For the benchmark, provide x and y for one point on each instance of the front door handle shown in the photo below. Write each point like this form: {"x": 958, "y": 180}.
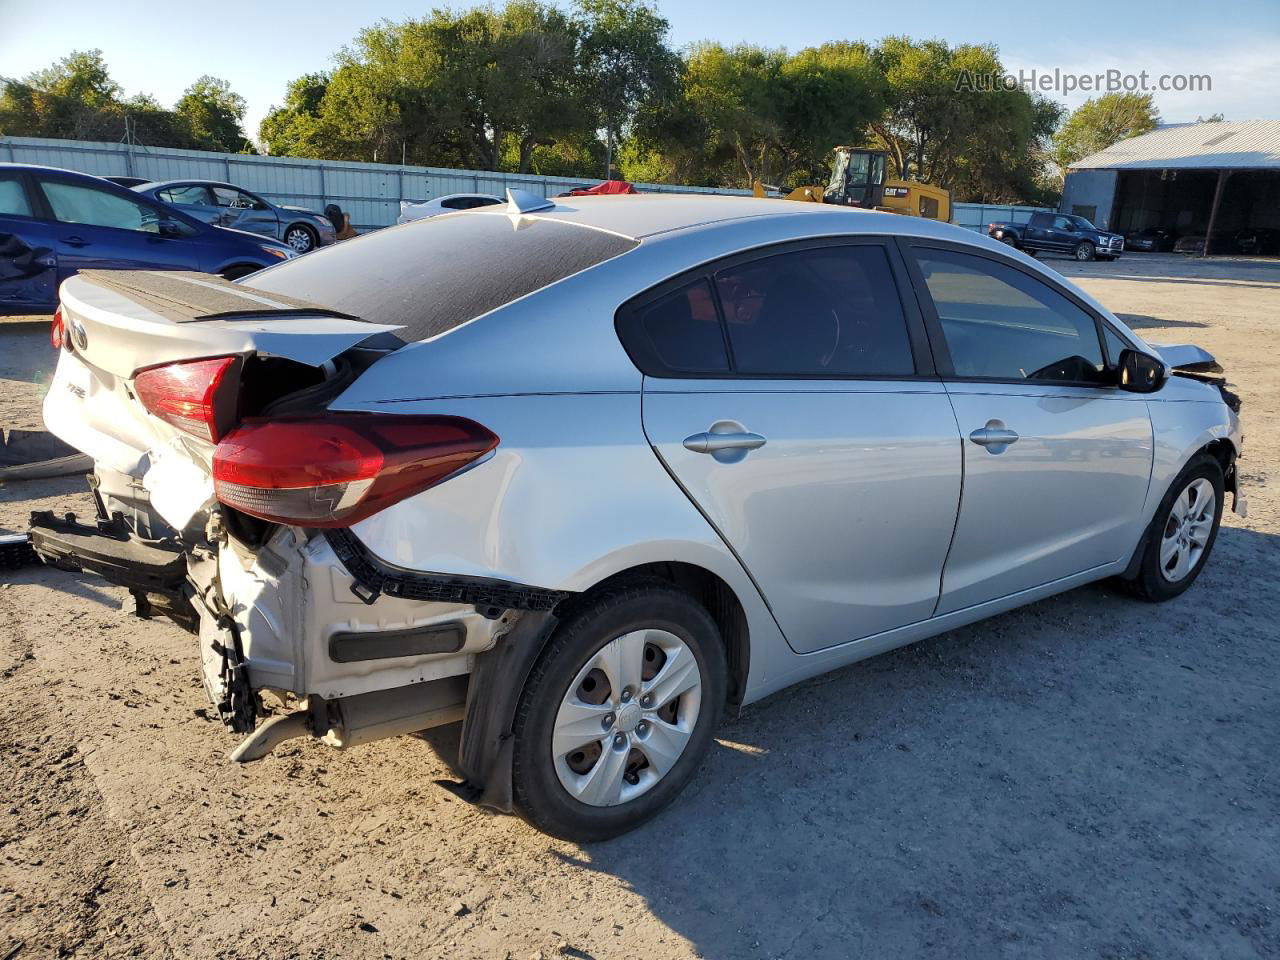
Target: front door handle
{"x": 995, "y": 436}
{"x": 727, "y": 441}
{"x": 74, "y": 241}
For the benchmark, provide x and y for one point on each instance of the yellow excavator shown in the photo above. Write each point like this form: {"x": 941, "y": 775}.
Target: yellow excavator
{"x": 858, "y": 180}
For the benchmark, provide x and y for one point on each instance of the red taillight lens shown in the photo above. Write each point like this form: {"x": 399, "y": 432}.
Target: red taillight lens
{"x": 333, "y": 470}
{"x": 196, "y": 396}
{"x": 56, "y": 330}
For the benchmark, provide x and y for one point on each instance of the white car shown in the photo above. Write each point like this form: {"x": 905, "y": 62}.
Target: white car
{"x": 586, "y": 475}
{"x": 411, "y": 210}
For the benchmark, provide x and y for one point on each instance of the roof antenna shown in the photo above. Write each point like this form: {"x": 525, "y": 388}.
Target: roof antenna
{"x": 522, "y": 201}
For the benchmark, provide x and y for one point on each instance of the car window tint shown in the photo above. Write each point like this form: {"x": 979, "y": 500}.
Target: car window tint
{"x": 74, "y": 203}
{"x": 190, "y": 194}
{"x": 455, "y": 203}
{"x": 832, "y": 311}
{"x": 1002, "y": 324}
{"x": 13, "y": 198}
{"x": 435, "y": 274}
{"x": 684, "y": 332}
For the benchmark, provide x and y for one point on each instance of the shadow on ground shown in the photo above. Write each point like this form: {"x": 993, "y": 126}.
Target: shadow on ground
{"x": 1088, "y": 776}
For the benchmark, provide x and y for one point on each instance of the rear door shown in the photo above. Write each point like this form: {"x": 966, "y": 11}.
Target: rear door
{"x": 1056, "y": 458}
{"x": 28, "y": 266}
{"x": 790, "y": 393}
{"x": 110, "y": 228}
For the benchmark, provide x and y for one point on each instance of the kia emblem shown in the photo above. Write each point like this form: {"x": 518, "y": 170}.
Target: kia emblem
{"x": 78, "y": 335}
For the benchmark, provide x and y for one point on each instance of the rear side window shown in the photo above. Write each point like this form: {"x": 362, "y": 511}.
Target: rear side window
{"x": 684, "y": 332}
{"x": 192, "y": 194}
{"x": 999, "y": 323}
{"x": 435, "y": 274}
{"x": 13, "y": 198}
{"x": 832, "y": 311}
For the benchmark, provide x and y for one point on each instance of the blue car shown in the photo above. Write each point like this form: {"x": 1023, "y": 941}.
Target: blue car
{"x": 54, "y": 223}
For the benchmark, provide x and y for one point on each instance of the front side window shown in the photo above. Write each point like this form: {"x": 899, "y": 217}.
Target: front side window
{"x": 1001, "y": 324}
{"x": 75, "y": 203}
{"x": 830, "y": 311}
{"x": 236, "y": 199}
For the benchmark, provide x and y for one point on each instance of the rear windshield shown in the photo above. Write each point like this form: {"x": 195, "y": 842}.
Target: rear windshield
{"x": 433, "y": 275}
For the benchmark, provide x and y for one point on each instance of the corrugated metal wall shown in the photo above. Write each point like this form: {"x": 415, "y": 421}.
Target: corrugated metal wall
{"x": 370, "y": 193}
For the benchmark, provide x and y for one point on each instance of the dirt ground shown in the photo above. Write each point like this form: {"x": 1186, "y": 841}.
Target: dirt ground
{"x": 1086, "y": 777}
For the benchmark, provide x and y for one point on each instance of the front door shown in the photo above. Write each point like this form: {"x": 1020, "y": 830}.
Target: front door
{"x": 1056, "y": 458}
{"x": 243, "y": 211}
{"x": 108, "y": 228}
{"x": 27, "y": 261}
{"x": 793, "y": 410}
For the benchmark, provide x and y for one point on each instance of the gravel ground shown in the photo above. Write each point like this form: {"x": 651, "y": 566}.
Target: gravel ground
{"x": 1086, "y": 777}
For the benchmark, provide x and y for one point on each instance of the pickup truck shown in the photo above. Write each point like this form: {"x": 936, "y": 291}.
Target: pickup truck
{"x": 1059, "y": 233}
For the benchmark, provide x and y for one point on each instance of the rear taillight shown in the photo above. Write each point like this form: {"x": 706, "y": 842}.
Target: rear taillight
{"x": 196, "y": 396}
{"x": 333, "y": 470}
{"x": 56, "y": 330}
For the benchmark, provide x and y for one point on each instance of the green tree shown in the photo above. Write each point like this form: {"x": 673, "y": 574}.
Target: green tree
{"x": 212, "y": 112}
{"x": 1099, "y": 123}
{"x": 627, "y": 67}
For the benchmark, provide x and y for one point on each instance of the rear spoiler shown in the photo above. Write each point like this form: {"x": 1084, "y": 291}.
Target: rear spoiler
{"x": 122, "y": 321}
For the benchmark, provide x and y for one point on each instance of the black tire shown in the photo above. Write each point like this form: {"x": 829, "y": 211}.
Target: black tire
{"x": 239, "y": 270}
{"x": 1085, "y": 250}
{"x": 301, "y": 238}
{"x": 1151, "y": 583}
{"x": 539, "y": 795}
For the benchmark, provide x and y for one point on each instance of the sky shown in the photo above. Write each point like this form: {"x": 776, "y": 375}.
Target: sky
{"x": 161, "y": 46}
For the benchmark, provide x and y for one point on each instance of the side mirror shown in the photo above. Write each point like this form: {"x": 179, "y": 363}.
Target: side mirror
{"x": 168, "y": 228}
{"x": 1141, "y": 372}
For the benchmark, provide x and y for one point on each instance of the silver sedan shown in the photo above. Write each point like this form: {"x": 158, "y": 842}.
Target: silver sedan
{"x": 226, "y": 205}
{"x": 585, "y": 475}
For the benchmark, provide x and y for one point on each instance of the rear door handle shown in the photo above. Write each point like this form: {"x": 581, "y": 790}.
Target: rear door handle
{"x": 995, "y": 436}
{"x": 727, "y": 441}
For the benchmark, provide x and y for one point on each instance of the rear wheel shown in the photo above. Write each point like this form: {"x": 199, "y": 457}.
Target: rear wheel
{"x": 1084, "y": 250}
{"x": 1183, "y": 532}
{"x": 618, "y": 713}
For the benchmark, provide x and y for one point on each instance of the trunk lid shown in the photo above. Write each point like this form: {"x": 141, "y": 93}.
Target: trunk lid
{"x": 117, "y": 323}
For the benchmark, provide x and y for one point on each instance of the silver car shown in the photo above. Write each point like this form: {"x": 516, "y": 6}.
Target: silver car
{"x": 584, "y": 475}
{"x": 226, "y": 205}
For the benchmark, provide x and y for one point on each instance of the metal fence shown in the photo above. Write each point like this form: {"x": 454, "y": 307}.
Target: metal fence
{"x": 370, "y": 193}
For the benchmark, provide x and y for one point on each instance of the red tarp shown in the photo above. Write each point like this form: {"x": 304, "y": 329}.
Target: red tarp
{"x": 600, "y": 189}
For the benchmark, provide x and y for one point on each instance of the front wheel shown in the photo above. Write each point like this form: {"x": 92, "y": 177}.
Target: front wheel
{"x": 1183, "y": 532}
{"x": 618, "y": 713}
{"x": 300, "y": 238}
{"x": 1084, "y": 250}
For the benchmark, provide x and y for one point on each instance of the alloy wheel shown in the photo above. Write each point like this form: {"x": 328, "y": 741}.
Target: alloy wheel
{"x": 1187, "y": 529}
{"x": 626, "y": 718}
{"x": 299, "y": 239}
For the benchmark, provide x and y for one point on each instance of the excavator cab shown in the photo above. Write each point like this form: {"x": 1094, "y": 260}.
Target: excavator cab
{"x": 857, "y": 178}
